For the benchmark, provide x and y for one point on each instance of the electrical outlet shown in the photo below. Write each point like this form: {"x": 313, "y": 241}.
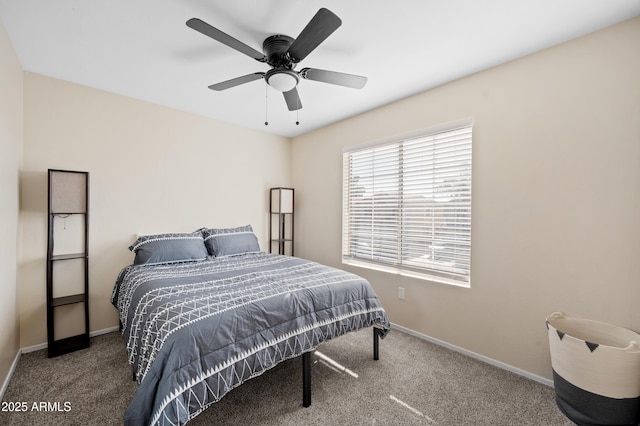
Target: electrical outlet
{"x": 401, "y": 293}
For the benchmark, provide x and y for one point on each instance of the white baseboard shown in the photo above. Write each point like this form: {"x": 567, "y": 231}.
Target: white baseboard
{"x": 474, "y": 355}
{"x": 37, "y": 348}
{"x": 33, "y": 348}
{"x": 5, "y": 385}
{"x": 104, "y": 331}
{"x": 44, "y": 345}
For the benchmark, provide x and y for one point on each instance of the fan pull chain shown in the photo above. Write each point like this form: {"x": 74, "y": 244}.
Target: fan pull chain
{"x": 297, "y": 112}
{"x": 266, "y": 105}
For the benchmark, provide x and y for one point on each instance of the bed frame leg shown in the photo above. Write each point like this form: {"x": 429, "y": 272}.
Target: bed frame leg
{"x": 306, "y": 368}
{"x": 306, "y": 379}
{"x": 376, "y": 343}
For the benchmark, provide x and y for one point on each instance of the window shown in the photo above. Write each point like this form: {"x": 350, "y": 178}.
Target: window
{"x": 407, "y": 206}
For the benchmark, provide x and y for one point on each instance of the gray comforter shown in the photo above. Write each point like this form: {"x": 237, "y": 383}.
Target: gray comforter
{"x": 194, "y": 331}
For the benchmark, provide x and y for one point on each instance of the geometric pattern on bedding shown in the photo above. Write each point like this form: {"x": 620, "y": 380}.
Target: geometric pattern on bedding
{"x": 192, "y": 400}
{"x": 195, "y": 331}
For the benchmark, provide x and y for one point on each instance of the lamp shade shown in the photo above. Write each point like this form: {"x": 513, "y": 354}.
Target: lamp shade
{"x": 281, "y": 200}
{"x": 68, "y": 192}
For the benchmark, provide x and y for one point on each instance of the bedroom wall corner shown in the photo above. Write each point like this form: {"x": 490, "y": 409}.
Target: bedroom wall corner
{"x": 11, "y": 145}
{"x": 152, "y": 170}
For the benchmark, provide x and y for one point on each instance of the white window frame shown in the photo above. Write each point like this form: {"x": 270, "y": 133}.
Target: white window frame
{"x": 407, "y": 205}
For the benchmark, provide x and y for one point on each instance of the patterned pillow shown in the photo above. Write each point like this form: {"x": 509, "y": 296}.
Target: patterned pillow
{"x": 169, "y": 248}
{"x": 230, "y": 241}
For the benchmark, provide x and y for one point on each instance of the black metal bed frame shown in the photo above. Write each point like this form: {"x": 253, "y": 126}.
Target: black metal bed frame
{"x": 306, "y": 367}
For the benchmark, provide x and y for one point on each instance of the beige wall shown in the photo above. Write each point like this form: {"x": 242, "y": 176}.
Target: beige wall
{"x": 11, "y": 137}
{"x": 153, "y": 169}
{"x": 556, "y": 197}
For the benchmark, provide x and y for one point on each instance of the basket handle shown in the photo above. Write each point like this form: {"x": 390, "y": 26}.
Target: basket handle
{"x": 634, "y": 347}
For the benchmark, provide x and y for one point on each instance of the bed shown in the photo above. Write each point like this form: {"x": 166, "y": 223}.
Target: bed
{"x": 203, "y": 312}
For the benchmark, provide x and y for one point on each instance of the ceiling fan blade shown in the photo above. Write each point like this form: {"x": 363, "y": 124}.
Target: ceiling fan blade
{"x": 333, "y": 77}
{"x": 321, "y": 26}
{"x": 292, "y": 99}
{"x": 225, "y": 38}
{"x": 236, "y": 81}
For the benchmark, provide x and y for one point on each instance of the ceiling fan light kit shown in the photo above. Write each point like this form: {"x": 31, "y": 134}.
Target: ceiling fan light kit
{"x": 282, "y": 80}
{"x": 282, "y": 53}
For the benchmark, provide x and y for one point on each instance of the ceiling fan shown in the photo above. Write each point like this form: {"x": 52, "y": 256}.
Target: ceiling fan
{"x": 282, "y": 53}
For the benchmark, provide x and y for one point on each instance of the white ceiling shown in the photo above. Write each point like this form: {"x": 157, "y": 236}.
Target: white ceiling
{"x": 144, "y": 50}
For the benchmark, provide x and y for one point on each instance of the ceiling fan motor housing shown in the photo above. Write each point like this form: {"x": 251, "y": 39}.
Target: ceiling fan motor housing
{"x": 276, "y": 49}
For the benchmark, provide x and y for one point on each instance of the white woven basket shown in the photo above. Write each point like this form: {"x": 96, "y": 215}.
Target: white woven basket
{"x": 596, "y": 370}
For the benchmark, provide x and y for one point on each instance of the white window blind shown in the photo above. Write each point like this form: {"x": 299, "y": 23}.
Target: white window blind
{"x": 407, "y": 206}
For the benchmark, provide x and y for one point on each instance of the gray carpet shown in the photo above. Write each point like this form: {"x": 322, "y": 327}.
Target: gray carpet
{"x": 414, "y": 383}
